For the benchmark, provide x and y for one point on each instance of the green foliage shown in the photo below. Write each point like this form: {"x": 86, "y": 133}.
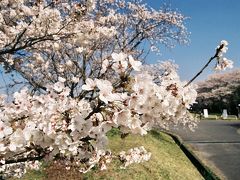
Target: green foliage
{"x": 113, "y": 132}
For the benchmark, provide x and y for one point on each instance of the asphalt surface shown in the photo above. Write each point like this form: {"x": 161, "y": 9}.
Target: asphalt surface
{"x": 217, "y": 144}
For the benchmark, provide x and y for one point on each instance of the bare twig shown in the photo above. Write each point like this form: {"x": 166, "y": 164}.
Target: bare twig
{"x": 206, "y": 65}
{"x": 200, "y": 72}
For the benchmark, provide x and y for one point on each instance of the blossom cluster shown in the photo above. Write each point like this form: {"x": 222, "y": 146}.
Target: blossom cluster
{"x": 134, "y": 155}
{"x": 82, "y": 63}
{"x": 18, "y": 169}
{"x": 58, "y": 124}
{"x": 223, "y": 62}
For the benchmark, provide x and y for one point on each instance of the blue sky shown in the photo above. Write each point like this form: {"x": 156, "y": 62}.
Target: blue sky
{"x": 210, "y": 22}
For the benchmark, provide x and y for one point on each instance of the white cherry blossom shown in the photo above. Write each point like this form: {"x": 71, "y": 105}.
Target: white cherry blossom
{"x": 120, "y": 63}
{"x": 75, "y": 79}
{"x": 105, "y": 65}
{"x": 223, "y": 63}
{"x": 90, "y": 85}
{"x": 17, "y": 140}
{"x": 136, "y": 65}
{"x": 5, "y": 130}
{"x": 135, "y": 155}
{"x": 105, "y": 88}
{"x": 224, "y": 42}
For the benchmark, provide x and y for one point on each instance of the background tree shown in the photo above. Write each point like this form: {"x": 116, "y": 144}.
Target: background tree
{"x": 219, "y": 91}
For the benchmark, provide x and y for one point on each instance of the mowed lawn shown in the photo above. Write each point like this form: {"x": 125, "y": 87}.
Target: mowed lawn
{"x": 167, "y": 162}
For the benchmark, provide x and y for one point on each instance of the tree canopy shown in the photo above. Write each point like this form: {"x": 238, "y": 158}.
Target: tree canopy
{"x": 220, "y": 91}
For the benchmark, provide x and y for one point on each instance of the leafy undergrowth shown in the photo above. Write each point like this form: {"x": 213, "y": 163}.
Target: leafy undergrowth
{"x": 167, "y": 162}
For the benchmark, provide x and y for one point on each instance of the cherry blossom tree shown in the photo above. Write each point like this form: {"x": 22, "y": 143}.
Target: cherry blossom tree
{"x": 220, "y": 91}
{"x": 80, "y": 64}
{"x": 43, "y": 40}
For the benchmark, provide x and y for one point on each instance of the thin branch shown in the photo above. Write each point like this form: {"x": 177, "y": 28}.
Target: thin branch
{"x": 200, "y": 72}
{"x": 218, "y": 50}
{"x": 11, "y": 161}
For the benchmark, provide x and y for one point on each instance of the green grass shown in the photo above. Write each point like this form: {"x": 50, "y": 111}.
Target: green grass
{"x": 212, "y": 117}
{"x": 167, "y": 162}
{"x": 216, "y": 117}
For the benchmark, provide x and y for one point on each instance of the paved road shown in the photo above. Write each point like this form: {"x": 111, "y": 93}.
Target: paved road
{"x": 217, "y": 143}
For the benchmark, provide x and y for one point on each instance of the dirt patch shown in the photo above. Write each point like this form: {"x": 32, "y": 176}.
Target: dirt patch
{"x": 58, "y": 171}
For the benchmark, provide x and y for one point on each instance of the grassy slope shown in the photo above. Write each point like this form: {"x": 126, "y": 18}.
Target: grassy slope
{"x": 167, "y": 162}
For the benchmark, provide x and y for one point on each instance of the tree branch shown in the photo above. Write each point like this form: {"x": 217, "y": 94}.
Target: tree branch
{"x": 206, "y": 65}
{"x": 200, "y": 72}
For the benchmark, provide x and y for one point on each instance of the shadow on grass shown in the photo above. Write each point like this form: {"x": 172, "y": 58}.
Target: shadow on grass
{"x": 161, "y": 137}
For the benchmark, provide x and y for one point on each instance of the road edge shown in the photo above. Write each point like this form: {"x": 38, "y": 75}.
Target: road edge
{"x": 206, "y": 172}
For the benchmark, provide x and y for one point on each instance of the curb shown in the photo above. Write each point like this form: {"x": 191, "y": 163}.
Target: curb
{"x": 203, "y": 170}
